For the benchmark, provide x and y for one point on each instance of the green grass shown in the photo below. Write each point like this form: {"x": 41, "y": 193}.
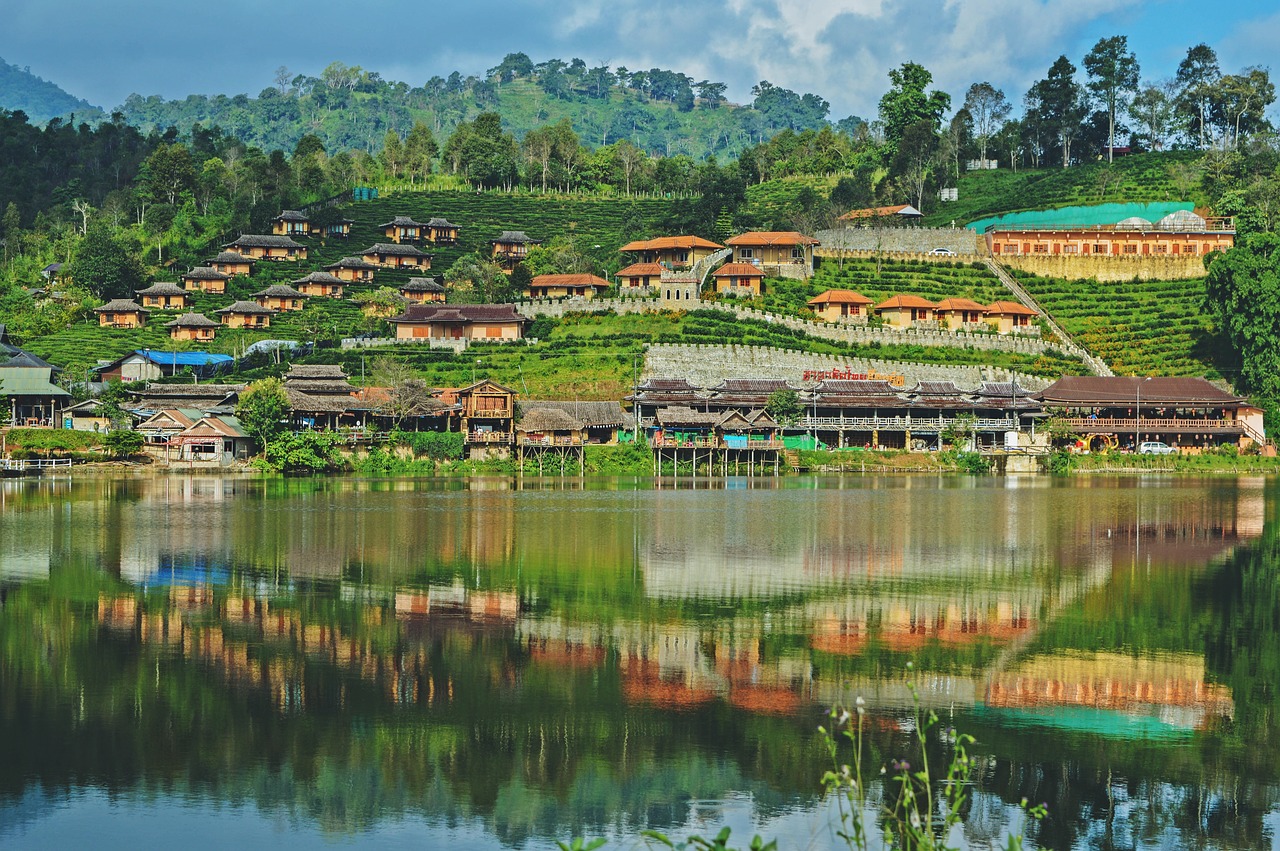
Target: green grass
{"x": 1137, "y": 328}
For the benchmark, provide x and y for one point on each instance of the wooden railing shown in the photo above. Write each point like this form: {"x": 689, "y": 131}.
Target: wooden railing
{"x": 489, "y": 437}
{"x": 552, "y": 441}
{"x": 713, "y": 443}
{"x": 920, "y": 424}
{"x": 1161, "y": 425}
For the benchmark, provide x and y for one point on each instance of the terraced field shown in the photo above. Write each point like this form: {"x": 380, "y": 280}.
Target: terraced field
{"x": 1138, "y": 328}
{"x": 933, "y": 281}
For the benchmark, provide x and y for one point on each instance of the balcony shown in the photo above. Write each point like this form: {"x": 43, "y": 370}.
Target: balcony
{"x": 489, "y": 438}
{"x": 1155, "y": 425}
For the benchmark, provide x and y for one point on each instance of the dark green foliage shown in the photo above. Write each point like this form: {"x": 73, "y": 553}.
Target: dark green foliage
{"x": 107, "y": 265}
{"x": 436, "y": 445}
{"x": 123, "y": 443}
{"x": 262, "y": 409}
{"x": 784, "y": 406}
{"x": 40, "y": 100}
{"x": 302, "y": 452}
{"x": 1242, "y": 292}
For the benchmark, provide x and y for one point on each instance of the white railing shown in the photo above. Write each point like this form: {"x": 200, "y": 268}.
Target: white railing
{"x": 34, "y": 463}
{"x": 920, "y": 424}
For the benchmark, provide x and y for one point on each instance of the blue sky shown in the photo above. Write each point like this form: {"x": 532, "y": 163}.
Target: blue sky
{"x": 839, "y": 49}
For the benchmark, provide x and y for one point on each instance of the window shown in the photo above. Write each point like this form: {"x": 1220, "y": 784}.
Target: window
{"x": 797, "y": 253}
{"x": 1161, "y": 249}
{"x": 1010, "y": 248}
{"x": 1190, "y": 249}
{"x": 1040, "y": 248}
{"x": 747, "y": 253}
{"x": 1099, "y": 248}
{"x": 1131, "y": 249}
{"x": 1070, "y": 249}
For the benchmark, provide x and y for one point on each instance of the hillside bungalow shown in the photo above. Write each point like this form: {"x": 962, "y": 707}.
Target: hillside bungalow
{"x": 268, "y": 247}
{"x": 164, "y": 296}
{"x": 1011, "y": 317}
{"x": 403, "y": 229}
{"x": 320, "y": 396}
{"x": 511, "y": 247}
{"x": 232, "y": 263}
{"x": 961, "y": 314}
{"x": 205, "y": 279}
{"x": 566, "y": 286}
{"x": 291, "y": 223}
{"x": 392, "y": 256}
{"x": 673, "y": 252}
{"x": 443, "y": 232}
{"x": 336, "y": 229}
{"x": 246, "y": 314}
{"x": 1179, "y": 233}
{"x": 459, "y": 321}
{"x": 774, "y": 251}
{"x": 280, "y": 297}
{"x": 214, "y": 439}
{"x": 352, "y": 270}
{"x": 27, "y": 390}
{"x": 1189, "y": 413}
{"x": 423, "y": 290}
{"x": 889, "y": 215}
{"x": 121, "y": 313}
{"x": 488, "y": 414}
{"x": 319, "y": 284}
{"x": 192, "y": 326}
{"x": 840, "y": 306}
{"x": 639, "y": 276}
{"x": 150, "y": 364}
{"x": 739, "y": 279}
{"x": 904, "y": 311}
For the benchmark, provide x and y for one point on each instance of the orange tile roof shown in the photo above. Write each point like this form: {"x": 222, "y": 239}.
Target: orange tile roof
{"x": 737, "y": 270}
{"x": 669, "y": 242}
{"x": 840, "y": 297}
{"x": 639, "y": 270}
{"x": 569, "y": 280}
{"x": 948, "y": 304}
{"x": 772, "y": 237}
{"x": 873, "y": 212}
{"x": 1011, "y": 308}
{"x": 905, "y": 301}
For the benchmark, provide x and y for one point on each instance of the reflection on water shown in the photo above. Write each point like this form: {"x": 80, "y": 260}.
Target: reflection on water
{"x": 519, "y": 662}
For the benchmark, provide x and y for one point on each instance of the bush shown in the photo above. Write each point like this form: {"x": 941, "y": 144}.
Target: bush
{"x": 436, "y": 445}
{"x": 121, "y": 443}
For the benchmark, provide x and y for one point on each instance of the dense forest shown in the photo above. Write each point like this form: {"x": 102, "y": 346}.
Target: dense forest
{"x": 39, "y": 99}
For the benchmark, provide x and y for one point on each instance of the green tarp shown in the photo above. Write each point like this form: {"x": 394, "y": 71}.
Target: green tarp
{"x": 1098, "y": 214}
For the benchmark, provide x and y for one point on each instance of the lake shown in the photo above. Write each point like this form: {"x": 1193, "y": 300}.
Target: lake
{"x": 206, "y": 662}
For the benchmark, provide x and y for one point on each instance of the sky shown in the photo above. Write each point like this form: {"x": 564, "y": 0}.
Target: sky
{"x": 842, "y": 50}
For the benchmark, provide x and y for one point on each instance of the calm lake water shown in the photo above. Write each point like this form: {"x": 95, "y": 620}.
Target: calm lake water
{"x": 207, "y": 662}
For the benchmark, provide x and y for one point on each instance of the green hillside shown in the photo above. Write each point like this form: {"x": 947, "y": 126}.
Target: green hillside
{"x": 934, "y": 281}
{"x": 40, "y": 99}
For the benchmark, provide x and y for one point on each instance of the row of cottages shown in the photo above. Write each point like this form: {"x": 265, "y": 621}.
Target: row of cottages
{"x": 277, "y": 298}
{"x": 437, "y": 231}
{"x": 27, "y": 389}
{"x": 268, "y": 247}
{"x": 909, "y": 311}
{"x": 297, "y": 223}
{"x": 755, "y": 256}
{"x": 1182, "y": 232}
{"x": 459, "y": 322}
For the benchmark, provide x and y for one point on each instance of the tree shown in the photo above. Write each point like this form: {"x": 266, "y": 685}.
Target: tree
{"x": 122, "y": 443}
{"x": 1153, "y": 108}
{"x": 1239, "y": 102}
{"x": 914, "y": 162}
{"x": 1198, "y": 74}
{"x": 169, "y": 172}
{"x": 392, "y": 156}
{"x": 784, "y": 406}
{"x": 262, "y": 410}
{"x": 906, "y": 103}
{"x": 107, "y": 265}
{"x": 12, "y": 226}
{"x": 476, "y": 279}
{"x": 631, "y": 159}
{"x": 1242, "y": 292}
{"x": 1113, "y": 73}
{"x": 420, "y": 150}
{"x": 1058, "y": 104}
{"x": 988, "y": 107}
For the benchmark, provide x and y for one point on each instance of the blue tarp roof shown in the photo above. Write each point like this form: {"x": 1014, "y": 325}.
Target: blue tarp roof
{"x": 1090, "y": 215}
{"x": 183, "y": 358}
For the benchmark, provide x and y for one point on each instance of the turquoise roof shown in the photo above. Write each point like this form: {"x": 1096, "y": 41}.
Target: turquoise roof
{"x": 1085, "y": 216}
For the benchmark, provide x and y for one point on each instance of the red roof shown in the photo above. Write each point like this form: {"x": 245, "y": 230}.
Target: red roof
{"x": 772, "y": 237}
{"x": 459, "y": 313}
{"x": 737, "y": 270}
{"x": 950, "y": 304}
{"x": 1010, "y": 308}
{"x": 576, "y": 280}
{"x": 663, "y": 242}
{"x": 640, "y": 270}
{"x": 875, "y": 212}
{"x": 905, "y": 301}
{"x": 840, "y": 297}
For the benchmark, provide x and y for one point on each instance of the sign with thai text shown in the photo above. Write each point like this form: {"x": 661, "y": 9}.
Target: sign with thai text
{"x": 849, "y": 375}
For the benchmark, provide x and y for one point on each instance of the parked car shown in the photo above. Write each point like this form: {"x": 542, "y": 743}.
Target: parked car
{"x": 943, "y": 252}
{"x": 1154, "y": 447}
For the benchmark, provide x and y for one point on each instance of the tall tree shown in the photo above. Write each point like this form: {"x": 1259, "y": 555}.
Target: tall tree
{"x": 1058, "y": 104}
{"x": 420, "y": 150}
{"x": 1153, "y": 109}
{"x": 392, "y": 156}
{"x": 107, "y": 265}
{"x": 988, "y": 107}
{"x": 1113, "y": 78}
{"x": 1197, "y": 77}
{"x": 1242, "y": 291}
{"x": 907, "y": 102}
{"x": 263, "y": 409}
{"x": 1239, "y": 102}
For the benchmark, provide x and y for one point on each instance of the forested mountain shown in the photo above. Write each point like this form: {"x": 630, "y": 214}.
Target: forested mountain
{"x": 20, "y": 90}
{"x": 348, "y": 108}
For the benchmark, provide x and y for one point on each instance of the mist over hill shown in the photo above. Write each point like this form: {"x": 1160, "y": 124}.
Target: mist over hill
{"x": 41, "y": 100}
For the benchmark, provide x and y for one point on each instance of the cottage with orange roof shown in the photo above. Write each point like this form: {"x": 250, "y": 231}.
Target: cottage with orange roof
{"x": 1011, "y": 317}
{"x": 780, "y": 253}
{"x": 639, "y": 276}
{"x": 739, "y": 279}
{"x": 961, "y": 314}
{"x": 673, "y": 252}
{"x": 566, "y": 286}
{"x": 840, "y": 306}
{"x": 906, "y": 311}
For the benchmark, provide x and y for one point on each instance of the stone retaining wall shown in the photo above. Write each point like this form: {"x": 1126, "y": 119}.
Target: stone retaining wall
{"x": 907, "y": 240}
{"x": 1107, "y": 268}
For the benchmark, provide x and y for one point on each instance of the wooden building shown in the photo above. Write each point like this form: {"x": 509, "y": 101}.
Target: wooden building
{"x": 192, "y": 326}
{"x": 232, "y": 263}
{"x": 121, "y": 313}
{"x": 393, "y": 256}
{"x": 352, "y": 270}
{"x": 321, "y": 396}
{"x": 906, "y": 311}
{"x": 441, "y": 231}
{"x": 777, "y": 252}
{"x": 213, "y": 440}
{"x": 280, "y": 298}
{"x": 460, "y": 321}
{"x": 961, "y": 314}
{"x": 1011, "y": 317}
{"x": 335, "y": 229}
{"x": 164, "y": 296}
{"x": 205, "y": 279}
{"x": 672, "y": 252}
{"x": 404, "y": 230}
{"x": 166, "y": 423}
{"x": 291, "y": 223}
{"x": 1178, "y": 234}
{"x": 319, "y": 284}
{"x": 150, "y": 364}
{"x": 86, "y": 416}
{"x": 27, "y": 391}
{"x": 739, "y": 279}
{"x": 268, "y": 247}
{"x": 598, "y": 423}
{"x": 488, "y": 416}
{"x": 840, "y": 306}
{"x": 423, "y": 291}
{"x": 246, "y": 314}
{"x": 566, "y": 286}
{"x": 639, "y": 276}
{"x": 511, "y": 247}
